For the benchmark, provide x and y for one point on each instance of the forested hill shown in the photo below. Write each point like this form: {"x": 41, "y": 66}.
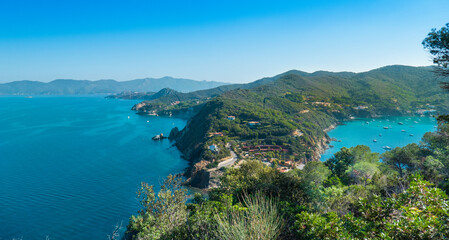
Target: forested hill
{"x": 395, "y": 89}
{"x": 392, "y": 90}
{"x": 74, "y": 87}
{"x": 292, "y": 110}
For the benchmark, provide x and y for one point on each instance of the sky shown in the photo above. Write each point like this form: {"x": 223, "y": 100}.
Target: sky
{"x": 228, "y": 41}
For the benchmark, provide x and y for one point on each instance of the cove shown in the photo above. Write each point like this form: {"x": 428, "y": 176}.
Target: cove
{"x": 70, "y": 166}
{"x": 377, "y": 133}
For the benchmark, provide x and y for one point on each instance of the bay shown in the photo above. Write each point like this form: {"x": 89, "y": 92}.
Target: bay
{"x": 365, "y": 131}
{"x": 70, "y": 166}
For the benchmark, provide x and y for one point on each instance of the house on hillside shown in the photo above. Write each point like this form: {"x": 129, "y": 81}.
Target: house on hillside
{"x": 361, "y": 107}
{"x": 253, "y": 123}
{"x": 219, "y": 134}
{"x": 231, "y": 117}
{"x": 297, "y": 133}
{"x": 326, "y": 104}
{"x": 425, "y": 111}
{"x": 213, "y": 148}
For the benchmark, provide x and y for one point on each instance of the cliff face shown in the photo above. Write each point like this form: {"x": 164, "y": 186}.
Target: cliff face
{"x": 190, "y": 140}
{"x": 198, "y": 176}
{"x": 321, "y": 146}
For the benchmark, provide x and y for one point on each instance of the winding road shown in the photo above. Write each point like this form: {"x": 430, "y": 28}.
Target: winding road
{"x": 229, "y": 162}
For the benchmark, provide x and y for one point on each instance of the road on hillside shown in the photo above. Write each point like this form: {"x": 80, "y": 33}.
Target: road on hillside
{"x": 229, "y": 162}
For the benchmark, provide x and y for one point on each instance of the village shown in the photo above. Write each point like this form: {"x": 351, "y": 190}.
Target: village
{"x": 280, "y": 157}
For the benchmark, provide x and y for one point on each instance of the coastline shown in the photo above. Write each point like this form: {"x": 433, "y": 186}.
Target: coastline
{"x": 358, "y": 132}
{"x": 196, "y": 174}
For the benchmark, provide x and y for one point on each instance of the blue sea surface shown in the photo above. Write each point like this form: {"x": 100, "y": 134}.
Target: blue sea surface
{"x": 365, "y": 131}
{"x": 70, "y": 166}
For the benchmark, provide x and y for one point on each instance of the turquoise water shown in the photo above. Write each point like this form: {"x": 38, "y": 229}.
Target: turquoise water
{"x": 70, "y": 166}
{"x": 364, "y": 131}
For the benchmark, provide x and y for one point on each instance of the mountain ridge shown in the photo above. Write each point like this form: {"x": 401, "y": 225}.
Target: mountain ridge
{"x": 103, "y": 86}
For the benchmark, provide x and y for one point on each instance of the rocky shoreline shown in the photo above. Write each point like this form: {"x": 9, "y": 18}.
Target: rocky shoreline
{"x": 324, "y": 142}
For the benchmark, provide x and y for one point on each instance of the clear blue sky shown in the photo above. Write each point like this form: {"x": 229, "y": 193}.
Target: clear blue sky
{"x": 230, "y": 41}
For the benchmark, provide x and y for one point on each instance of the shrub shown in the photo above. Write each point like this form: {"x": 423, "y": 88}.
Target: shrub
{"x": 259, "y": 221}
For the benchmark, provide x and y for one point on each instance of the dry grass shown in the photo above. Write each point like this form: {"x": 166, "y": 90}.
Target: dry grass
{"x": 260, "y": 221}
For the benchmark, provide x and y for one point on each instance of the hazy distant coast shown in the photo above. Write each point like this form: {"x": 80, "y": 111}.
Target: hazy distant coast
{"x": 86, "y": 87}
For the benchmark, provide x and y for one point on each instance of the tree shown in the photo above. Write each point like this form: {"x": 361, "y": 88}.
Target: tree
{"x": 437, "y": 42}
{"x": 403, "y": 160}
{"x": 363, "y": 172}
{"x": 339, "y": 163}
{"x": 420, "y": 212}
{"x": 314, "y": 173}
{"x": 162, "y": 213}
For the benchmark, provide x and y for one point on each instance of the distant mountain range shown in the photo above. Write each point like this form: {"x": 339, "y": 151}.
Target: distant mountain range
{"x": 83, "y": 87}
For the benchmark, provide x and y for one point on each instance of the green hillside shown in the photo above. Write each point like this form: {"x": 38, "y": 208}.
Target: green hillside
{"x": 292, "y": 110}
{"x": 275, "y": 191}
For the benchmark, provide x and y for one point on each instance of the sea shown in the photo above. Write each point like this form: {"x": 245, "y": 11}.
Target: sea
{"x": 70, "y": 166}
{"x": 379, "y": 133}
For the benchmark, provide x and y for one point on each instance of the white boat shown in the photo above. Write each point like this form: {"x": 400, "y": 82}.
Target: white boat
{"x": 387, "y": 148}
{"x": 374, "y": 140}
{"x": 128, "y": 117}
{"x": 386, "y": 127}
{"x": 380, "y": 135}
{"x": 402, "y": 130}
{"x": 411, "y": 135}
{"x": 400, "y": 123}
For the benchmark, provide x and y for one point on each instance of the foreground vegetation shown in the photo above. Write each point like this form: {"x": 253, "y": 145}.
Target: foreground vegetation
{"x": 356, "y": 194}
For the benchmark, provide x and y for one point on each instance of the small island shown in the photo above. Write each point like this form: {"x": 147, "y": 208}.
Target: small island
{"x": 159, "y": 137}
